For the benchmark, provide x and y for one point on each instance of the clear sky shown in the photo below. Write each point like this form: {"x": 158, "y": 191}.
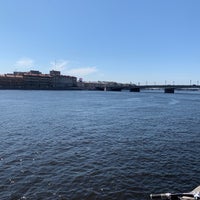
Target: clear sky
{"x": 146, "y": 41}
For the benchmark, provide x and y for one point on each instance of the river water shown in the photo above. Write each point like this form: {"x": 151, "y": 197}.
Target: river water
{"x": 97, "y": 145}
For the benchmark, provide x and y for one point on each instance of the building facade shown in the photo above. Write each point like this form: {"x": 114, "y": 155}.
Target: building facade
{"x": 36, "y": 80}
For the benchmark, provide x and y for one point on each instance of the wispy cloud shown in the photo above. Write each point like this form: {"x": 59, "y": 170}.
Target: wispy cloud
{"x": 67, "y": 67}
{"x": 60, "y": 65}
{"x": 24, "y": 64}
{"x": 85, "y": 71}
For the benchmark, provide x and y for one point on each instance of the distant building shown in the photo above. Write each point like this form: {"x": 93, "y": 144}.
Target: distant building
{"x": 9, "y": 81}
{"x": 35, "y": 72}
{"x": 19, "y": 73}
{"x": 36, "y": 80}
{"x": 55, "y": 73}
{"x": 64, "y": 81}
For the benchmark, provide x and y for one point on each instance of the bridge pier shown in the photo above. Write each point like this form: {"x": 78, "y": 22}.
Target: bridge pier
{"x": 136, "y": 89}
{"x": 169, "y": 90}
{"x": 116, "y": 89}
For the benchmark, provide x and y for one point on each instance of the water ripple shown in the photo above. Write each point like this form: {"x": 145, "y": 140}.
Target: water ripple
{"x": 97, "y": 145}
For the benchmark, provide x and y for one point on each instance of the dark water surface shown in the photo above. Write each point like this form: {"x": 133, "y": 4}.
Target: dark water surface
{"x": 97, "y": 145}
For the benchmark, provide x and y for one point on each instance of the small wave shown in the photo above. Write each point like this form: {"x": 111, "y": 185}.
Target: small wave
{"x": 173, "y": 102}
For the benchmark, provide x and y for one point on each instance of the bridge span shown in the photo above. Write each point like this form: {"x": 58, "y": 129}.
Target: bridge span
{"x": 166, "y": 88}
{"x": 112, "y": 86}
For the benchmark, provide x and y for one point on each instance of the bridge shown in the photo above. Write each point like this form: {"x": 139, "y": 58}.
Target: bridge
{"x": 166, "y": 88}
{"x": 113, "y": 86}
{"x": 138, "y": 88}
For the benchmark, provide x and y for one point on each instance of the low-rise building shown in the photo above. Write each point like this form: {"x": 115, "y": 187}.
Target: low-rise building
{"x": 36, "y": 80}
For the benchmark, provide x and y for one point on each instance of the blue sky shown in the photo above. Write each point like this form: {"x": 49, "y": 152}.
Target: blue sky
{"x": 153, "y": 41}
